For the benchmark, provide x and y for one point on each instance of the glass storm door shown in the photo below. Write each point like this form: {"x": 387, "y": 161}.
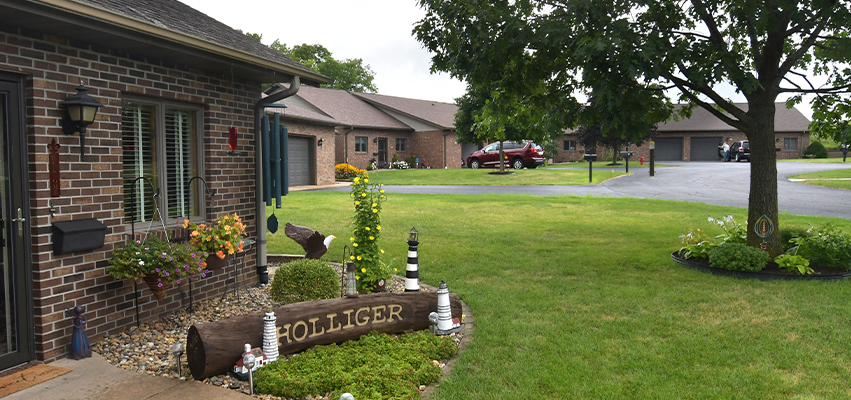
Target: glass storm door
{"x": 382, "y": 150}
{"x": 16, "y": 331}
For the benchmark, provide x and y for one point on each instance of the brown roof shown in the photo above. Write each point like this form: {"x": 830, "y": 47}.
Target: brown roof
{"x": 431, "y": 112}
{"x": 345, "y": 108}
{"x": 164, "y": 29}
{"x": 785, "y": 120}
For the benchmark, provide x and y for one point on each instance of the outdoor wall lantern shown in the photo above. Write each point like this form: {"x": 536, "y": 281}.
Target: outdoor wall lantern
{"x": 82, "y": 110}
{"x": 374, "y": 140}
{"x": 320, "y": 142}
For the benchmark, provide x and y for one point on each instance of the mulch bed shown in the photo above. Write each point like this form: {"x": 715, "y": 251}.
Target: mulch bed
{"x": 770, "y": 272}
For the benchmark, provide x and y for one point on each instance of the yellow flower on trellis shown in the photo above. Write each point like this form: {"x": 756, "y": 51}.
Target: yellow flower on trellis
{"x": 363, "y": 270}
{"x": 352, "y": 257}
{"x": 363, "y": 195}
{"x": 357, "y": 203}
{"x": 374, "y": 210}
{"x": 355, "y": 244}
{"x": 378, "y": 227}
{"x": 367, "y": 228}
{"x": 382, "y": 251}
{"x": 359, "y": 260}
{"x": 371, "y": 238}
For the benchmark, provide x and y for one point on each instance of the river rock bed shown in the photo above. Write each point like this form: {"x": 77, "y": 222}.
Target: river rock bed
{"x": 145, "y": 349}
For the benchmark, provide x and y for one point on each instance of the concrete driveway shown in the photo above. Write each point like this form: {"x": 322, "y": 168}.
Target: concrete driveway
{"x": 718, "y": 183}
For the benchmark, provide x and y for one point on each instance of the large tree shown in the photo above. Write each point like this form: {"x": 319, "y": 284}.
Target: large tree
{"x": 625, "y": 52}
{"x": 349, "y": 74}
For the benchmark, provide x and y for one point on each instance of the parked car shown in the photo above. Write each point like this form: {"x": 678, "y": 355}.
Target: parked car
{"x": 740, "y": 151}
{"x": 519, "y": 155}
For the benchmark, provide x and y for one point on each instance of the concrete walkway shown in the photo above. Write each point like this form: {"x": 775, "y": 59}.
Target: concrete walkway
{"x": 96, "y": 379}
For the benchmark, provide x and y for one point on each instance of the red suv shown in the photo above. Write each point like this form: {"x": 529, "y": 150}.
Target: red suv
{"x": 519, "y": 155}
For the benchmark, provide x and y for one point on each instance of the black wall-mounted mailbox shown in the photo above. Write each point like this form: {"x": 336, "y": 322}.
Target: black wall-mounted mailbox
{"x": 78, "y": 235}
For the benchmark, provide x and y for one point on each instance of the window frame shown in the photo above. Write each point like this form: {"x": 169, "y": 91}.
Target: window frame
{"x": 365, "y": 144}
{"x": 569, "y": 145}
{"x": 404, "y": 147}
{"x": 786, "y": 142}
{"x": 160, "y": 107}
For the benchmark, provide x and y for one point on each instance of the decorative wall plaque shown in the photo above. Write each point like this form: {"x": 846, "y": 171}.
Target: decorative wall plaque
{"x": 53, "y": 168}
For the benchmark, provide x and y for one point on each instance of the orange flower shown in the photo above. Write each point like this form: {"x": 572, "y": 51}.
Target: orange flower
{"x": 220, "y": 254}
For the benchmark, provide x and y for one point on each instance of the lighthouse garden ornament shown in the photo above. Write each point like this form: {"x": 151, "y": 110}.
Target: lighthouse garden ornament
{"x": 372, "y": 273}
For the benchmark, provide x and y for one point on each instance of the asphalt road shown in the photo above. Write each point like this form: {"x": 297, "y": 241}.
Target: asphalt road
{"x": 718, "y": 183}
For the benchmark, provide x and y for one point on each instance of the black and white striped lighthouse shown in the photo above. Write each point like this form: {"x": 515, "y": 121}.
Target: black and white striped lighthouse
{"x": 412, "y": 272}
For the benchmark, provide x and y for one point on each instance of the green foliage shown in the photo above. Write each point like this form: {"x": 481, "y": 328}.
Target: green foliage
{"x": 172, "y": 263}
{"x": 794, "y": 263}
{"x": 696, "y": 244}
{"x": 348, "y": 74}
{"x": 815, "y": 150}
{"x": 827, "y": 247}
{"x": 377, "y": 366}
{"x": 787, "y": 234}
{"x": 733, "y": 231}
{"x": 366, "y": 230}
{"x": 738, "y": 257}
{"x": 305, "y": 280}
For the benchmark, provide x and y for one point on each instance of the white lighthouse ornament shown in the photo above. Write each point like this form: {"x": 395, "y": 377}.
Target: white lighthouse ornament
{"x": 445, "y": 323}
{"x": 270, "y": 337}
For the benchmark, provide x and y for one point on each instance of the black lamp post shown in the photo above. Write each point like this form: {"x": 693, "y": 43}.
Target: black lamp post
{"x": 82, "y": 110}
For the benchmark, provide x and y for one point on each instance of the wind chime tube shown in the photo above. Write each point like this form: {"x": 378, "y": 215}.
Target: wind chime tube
{"x": 267, "y": 184}
{"x": 412, "y": 272}
{"x": 276, "y": 160}
{"x": 285, "y": 168}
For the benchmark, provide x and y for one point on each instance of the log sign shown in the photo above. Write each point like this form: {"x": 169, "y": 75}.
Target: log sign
{"x": 212, "y": 348}
{"x": 346, "y": 319}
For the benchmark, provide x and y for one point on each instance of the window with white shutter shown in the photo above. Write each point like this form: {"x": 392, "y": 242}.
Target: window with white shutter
{"x": 160, "y": 141}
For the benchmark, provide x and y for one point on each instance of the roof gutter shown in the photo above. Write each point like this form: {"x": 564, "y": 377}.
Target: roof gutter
{"x": 259, "y": 108}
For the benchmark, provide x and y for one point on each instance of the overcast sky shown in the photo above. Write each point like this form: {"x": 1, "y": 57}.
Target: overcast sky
{"x": 377, "y": 31}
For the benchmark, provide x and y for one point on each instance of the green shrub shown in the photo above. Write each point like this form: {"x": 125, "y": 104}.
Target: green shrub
{"x": 738, "y": 257}
{"x": 787, "y": 234}
{"x": 377, "y": 366}
{"x": 305, "y": 280}
{"x": 794, "y": 263}
{"x": 816, "y": 149}
{"x": 827, "y": 247}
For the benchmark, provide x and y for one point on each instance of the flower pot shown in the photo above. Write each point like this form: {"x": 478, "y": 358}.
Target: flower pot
{"x": 153, "y": 282}
{"x": 214, "y": 263}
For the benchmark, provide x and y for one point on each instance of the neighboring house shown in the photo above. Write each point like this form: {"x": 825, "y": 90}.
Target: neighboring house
{"x": 172, "y": 82}
{"x": 370, "y": 127}
{"x": 697, "y": 138}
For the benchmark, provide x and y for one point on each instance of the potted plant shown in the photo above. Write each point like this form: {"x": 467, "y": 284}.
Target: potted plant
{"x": 217, "y": 240}
{"x": 159, "y": 263}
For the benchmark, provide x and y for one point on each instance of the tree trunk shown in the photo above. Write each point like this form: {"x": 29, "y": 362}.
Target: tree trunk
{"x": 501, "y": 157}
{"x": 213, "y": 348}
{"x": 763, "y": 186}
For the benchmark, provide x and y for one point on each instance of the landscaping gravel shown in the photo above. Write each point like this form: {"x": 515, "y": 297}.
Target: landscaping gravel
{"x": 146, "y": 348}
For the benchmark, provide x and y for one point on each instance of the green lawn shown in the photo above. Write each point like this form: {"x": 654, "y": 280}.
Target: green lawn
{"x": 577, "y": 298}
{"x": 837, "y": 178}
{"x": 815, "y": 160}
{"x": 482, "y": 176}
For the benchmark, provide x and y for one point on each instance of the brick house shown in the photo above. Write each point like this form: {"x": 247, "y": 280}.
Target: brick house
{"x": 168, "y": 77}
{"x": 372, "y": 127}
{"x": 698, "y": 137}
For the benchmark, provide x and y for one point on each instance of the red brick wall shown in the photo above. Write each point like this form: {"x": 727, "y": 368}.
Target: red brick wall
{"x": 93, "y": 188}
{"x": 429, "y": 147}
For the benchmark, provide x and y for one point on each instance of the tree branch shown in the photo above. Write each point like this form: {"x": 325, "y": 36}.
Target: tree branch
{"x": 686, "y": 87}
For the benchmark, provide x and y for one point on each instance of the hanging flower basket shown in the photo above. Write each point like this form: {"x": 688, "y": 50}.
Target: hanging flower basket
{"x": 158, "y": 288}
{"x": 214, "y": 263}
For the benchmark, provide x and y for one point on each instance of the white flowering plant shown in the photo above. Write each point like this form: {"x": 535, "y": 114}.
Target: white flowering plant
{"x": 366, "y": 231}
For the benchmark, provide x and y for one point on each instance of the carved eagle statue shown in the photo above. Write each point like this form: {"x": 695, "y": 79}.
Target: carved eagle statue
{"x": 313, "y": 242}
